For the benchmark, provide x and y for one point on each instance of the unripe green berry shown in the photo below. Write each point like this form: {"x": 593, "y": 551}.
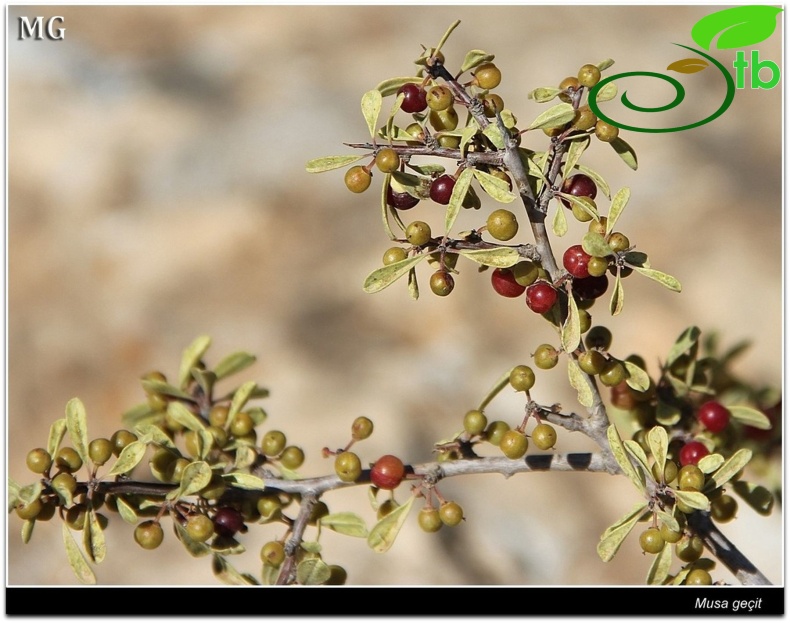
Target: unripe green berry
{"x": 651, "y": 541}
{"x": 30, "y": 510}
{"x": 597, "y": 266}
{"x": 269, "y": 507}
{"x": 429, "y": 519}
{"x": 691, "y": 477}
{"x": 273, "y": 443}
{"x": 598, "y": 337}
{"x": 451, "y": 514}
{"x": 218, "y": 416}
{"x": 64, "y": 481}
{"x": 502, "y": 224}
{"x": 487, "y": 76}
{"x": 584, "y": 119}
{"x": 522, "y": 378}
{"x": 387, "y": 160}
{"x": 418, "y": 233}
{"x": 348, "y": 467}
{"x": 68, "y": 460}
{"x": 215, "y": 488}
{"x": 618, "y": 242}
{"x": 337, "y": 576}
{"x": 199, "y": 528}
{"x": 475, "y": 422}
{"x": 544, "y": 436}
{"x": 669, "y": 535}
{"x": 723, "y": 508}
{"x": 358, "y": 179}
{"x": 242, "y": 424}
{"x": 514, "y": 444}
{"x": 589, "y": 75}
{"x": 546, "y": 356}
{"x": 394, "y": 254}
{"x": 613, "y": 373}
{"x": 292, "y": 457}
{"x": 38, "y": 461}
{"x": 273, "y": 553}
{"x": 525, "y": 273}
{"x": 439, "y": 97}
{"x": 120, "y": 439}
{"x": 75, "y": 516}
{"x": 689, "y": 548}
{"x": 149, "y": 535}
{"x": 442, "y": 283}
{"x": 100, "y": 451}
{"x": 698, "y": 577}
{"x": 592, "y": 362}
{"x": 444, "y": 120}
{"x": 361, "y": 428}
{"x": 605, "y": 132}
{"x": 495, "y": 431}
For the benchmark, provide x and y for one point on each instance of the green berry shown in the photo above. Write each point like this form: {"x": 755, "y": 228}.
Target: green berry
{"x": 214, "y": 489}
{"x": 218, "y": 416}
{"x": 605, "y": 132}
{"x": 589, "y": 75}
{"x": 592, "y": 362}
{"x": 199, "y": 528}
{"x": 120, "y": 439}
{"x": 618, "y": 242}
{"x": 38, "y": 461}
{"x": 613, "y": 373}
{"x": 451, "y": 514}
{"x": 385, "y": 508}
{"x": 514, "y": 444}
{"x": 337, "y": 576}
{"x": 242, "y": 424}
{"x": 582, "y": 215}
{"x": 162, "y": 464}
{"x": 361, "y": 428}
{"x": 439, "y": 97}
{"x": 492, "y": 104}
{"x": 495, "y": 431}
{"x": 525, "y": 273}
{"x": 67, "y": 460}
{"x": 269, "y": 507}
{"x": 544, "y": 436}
{"x": 502, "y": 224}
{"x": 418, "y": 233}
{"x": 273, "y": 553}
{"x": 723, "y": 508}
{"x": 442, "y": 283}
{"x": 394, "y": 254}
{"x": 487, "y": 76}
{"x": 348, "y": 467}
{"x": 568, "y": 86}
{"x": 475, "y": 422}
{"x": 651, "y": 541}
{"x": 444, "y": 120}
{"x": 584, "y": 119}
{"x": 669, "y": 535}
{"x": 598, "y": 337}
{"x": 64, "y": 482}
{"x": 698, "y": 577}
{"x": 429, "y": 519}
{"x": 689, "y": 548}
{"x": 546, "y": 356}
{"x": 522, "y": 378}
{"x": 292, "y": 457}
{"x": 358, "y": 179}
{"x": 75, "y": 516}
{"x": 100, "y": 451}
{"x": 149, "y": 535}
{"x": 30, "y": 510}
{"x": 387, "y": 160}
{"x": 273, "y": 443}
{"x": 691, "y": 477}
{"x": 597, "y": 266}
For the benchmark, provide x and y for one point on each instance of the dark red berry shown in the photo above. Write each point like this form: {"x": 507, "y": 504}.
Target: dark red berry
{"x": 387, "y": 472}
{"x": 578, "y": 185}
{"x": 576, "y": 260}
{"x": 541, "y": 297}
{"x": 692, "y": 452}
{"x": 714, "y": 416}
{"x": 414, "y": 98}
{"x": 442, "y": 189}
{"x": 228, "y": 521}
{"x": 401, "y": 201}
{"x": 505, "y": 283}
{"x": 591, "y": 287}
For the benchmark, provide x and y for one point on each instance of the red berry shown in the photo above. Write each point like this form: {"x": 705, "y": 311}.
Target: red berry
{"x": 576, "y": 260}
{"x": 591, "y": 287}
{"x": 692, "y": 452}
{"x": 228, "y": 521}
{"x": 714, "y": 416}
{"x": 541, "y": 297}
{"x": 505, "y": 283}
{"x": 401, "y": 201}
{"x": 414, "y": 98}
{"x": 442, "y": 189}
{"x": 578, "y": 185}
{"x": 387, "y": 472}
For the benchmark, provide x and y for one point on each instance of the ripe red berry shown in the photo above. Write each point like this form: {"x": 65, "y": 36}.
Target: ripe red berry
{"x": 541, "y": 297}
{"x": 387, "y": 472}
{"x": 442, "y": 189}
{"x": 714, "y": 416}
{"x": 576, "y": 260}
{"x": 505, "y": 283}
{"x": 692, "y": 452}
{"x": 414, "y": 98}
{"x": 591, "y": 287}
{"x": 228, "y": 521}
{"x": 401, "y": 201}
{"x": 578, "y": 185}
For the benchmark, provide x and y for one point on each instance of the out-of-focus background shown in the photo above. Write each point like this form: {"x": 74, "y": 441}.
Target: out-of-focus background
{"x": 157, "y": 191}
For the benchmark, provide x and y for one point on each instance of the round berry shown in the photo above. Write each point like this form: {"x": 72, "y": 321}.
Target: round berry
{"x": 451, "y": 514}
{"x": 414, "y": 98}
{"x": 723, "y": 508}
{"x": 292, "y": 457}
{"x": 714, "y": 416}
{"x": 418, "y": 233}
{"x": 618, "y": 242}
{"x": 242, "y": 424}
{"x": 597, "y": 266}
{"x": 348, "y": 467}
{"x": 401, "y": 201}
{"x": 582, "y": 215}
{"x": 502, "y": 224}
{"x": 598, "y": 337}
{"x": 522, "y": 378}
{"x": 585, "y": 321}
{"x": 606, "y": 132}
{"x": 569, "y": 85}
{"x": 584, "y": 119}
{"x": 575, "y": 259}
{"x": 579, "y": 185}
{"x": 67, "y": 460}
{"x": 544, "y": 436}
{"x": 475, "y": 422}
{"x": 394, "y": 254}
{"x": 337, "y": 576}
{"x": 273, "y": 553}
{"x": 444, "y": 120}
{"x": 64, "y": 481}
{"x": 387, "y": 472}
{"x": 590, "y": 288}
{"x": 30, "y": 510}
{"x": 38, "y": 460}
{"x": 669, "y": 535}
{"x": 361, "y": 428}
{"x": 692, "y": 452}
{"x": 698, "y": 577}
{"x": 589, "y": 75}
{"x": 199, "y": 528}
{"x": 228, "y": 521}
{"x": 546, "y": 356}
{"x": 120, "y": 439}
{"x": 592, "y": 362}
{"x": 514, "y": 444}
{"x": 429, "y": 519}
{"x": 487, "y": 76}
{"x": 442, "y": 283}
{"x": 505, "y": 284}
{"x": 358, "y": 179}
{"x": 442, "y": 189}
{"x": 387, "y": 160}
{"x": 689, "y": 548}
{"x": 541, "y": 297}
{"x": 613, "y": 373}
{"x": 492, "y": 104}
{"x": 439, "y": 97}
{"x": 495, "y": 431}
{"x": 526, "y": 273}
{"x": 218, "y": 416}
{"x": 651, "y": 541}
{"x": 149, "y": 534}
{"x": 273, "y": 443}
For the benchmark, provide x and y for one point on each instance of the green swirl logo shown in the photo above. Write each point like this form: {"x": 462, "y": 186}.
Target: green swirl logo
{"x": 735, "y": 27}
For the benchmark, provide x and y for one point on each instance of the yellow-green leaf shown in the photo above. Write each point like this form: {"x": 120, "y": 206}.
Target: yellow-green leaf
{"x": 312, "y": 572}
{"x": 371, "y": 107}
{"x": 130, "y": 456}
{"x": 585, "y": 203}
{"x": 329, "y": 163}
{"x": 243, "y": 480}
{"x": 605, "y": 64}
{"x": 636, "y": 451}
{"x": 730, "y": 468}
{"x": 688, "y": 65}
{"x": 240, "y": 398}
{"x": 608, "y": 92}
{"x": 637, "y": 378}
{"x": 346, "y": 523}
{"x": 619, "y": 453}
{"x": 56, "y": 433}
{"x": 619, "y": 202}
{"x": 195, "y": 477}
{"x": 493, "y": 134}
{"x": 559, "y": 224}
{"x": 77, "y": 425}
{"x": 387, "y": 275}
{"x": 658, "y": 441}
{"x": 190, "y": 358}
{"x": 414, "y": 288}
{"x": 579, "y": 382}
{"x": 227, "y": 574}
{"x": 496, "y": 188}
{"x": 575, "y": 152}
{"x": 625, "y": 151}
{"x": 179, "y": 413}
{"x": 233, "y": 363}
{"x": 76, "y": 558}
{"x": 127, "y": 513}
{"x": 554, "y": 117}
{"x": 686, "y": 341}
{"x": 756, "y": 496}
{"x": 151, "y": 433}
{"x": 694, "y": 499}
{"x": 618, "y": 296}
{"x": 384, "y": 533}
{"x": 195, "y": 548}
{"x": 710, "y": 463}
{"x": 615, "y": 534}
{"x": 750, "y": 417}
{"x": 457, "y": 198}
{"x": 64, "y": 493}
{"x": 595, "y": 244}
{"x": 93, "y": 537}
{"x": 543, "y": 94}
{"x": 500, "y": 257}
{"x": 668, "y": 281}
{"x": 474, "y": 58}
{"x": 27, "y": 530}
{"x": 659, "y": 570}
{"x": 392, "y": 85}
{"x": 571, "y": 330}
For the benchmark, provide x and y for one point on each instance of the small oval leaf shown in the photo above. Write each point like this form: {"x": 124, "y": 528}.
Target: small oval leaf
{"x": 559, "y": 224}
{"x": 659, "y": 570}
{"x": 750, "y": 417}
{"x": 730, "y": 468}
{"x": 77, "y": 425}
{"x": 554, "y": 117}
{"x": 127, "y": 513}
{"x": 191, "y": 357}
{"x": 571, "y": 330}
{"x": 391, "y": 85}
{"x": 618, "y": 296}
{"x": 56, "y": 433}
{"x": 544, "y": 94}
{"x": 578, "y": 381}
{"x": 500, "y": 257}
{"x": 240, "y": 398}
{"x": 371, "y": 107}
{"x": 243, "y": 480}
{"x": 619, "y": 202}
{"x": 460, "y": 189}
{"x": 595, "y": 244}
{"x": 474, "y": 58}
{"x": 76, "y": 558}
{"x": 349, "y": 524}
{"x": 694, "y": 499}
{"x": 668, "y": 281}
{"x": 312, "y": 572}
{"x": 637, "y": 379}
{"x": 658, "y": 441}
{"x": 384, "y": 533}
{"x": 387, "y": 275}
{"x": 130, "y": 456}
{"x": 619, "y": 453}
{"x": 626, "y": 152}
{"x": 329, "y": 163}
{"x": 494, "y": 187}
{"x": 615, "y": 534}
{"x": 233, "y": 363}
{"x": 608, "y": 92}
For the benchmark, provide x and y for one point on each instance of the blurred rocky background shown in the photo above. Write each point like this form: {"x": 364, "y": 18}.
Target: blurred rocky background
{"x": 157, "y": 191}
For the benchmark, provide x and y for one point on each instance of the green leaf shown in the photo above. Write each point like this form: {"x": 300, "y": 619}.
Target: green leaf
{"x": 384, "y": 533}
{"x": 457, "y": 198}
{"x": 329, "y": 163}
{"x": 191, "y": 357}
{"x": 227, "y": 574}
{"x": 500, "y": 257}
{"x": 240, "y": 398}
{"x": 575, "y": 152}
{"x": 196, "y": 549}
{"x": 618, "y": 296}
{"x": 737, "y": 27}
{"x": 56, "y": 433}
{"x": 626, "y": 152}
{"x": 694, "y": 499}
{"x": 618, "y": 451}
{"x": 756, "y": 496}
{"x": 386, "y": 209}
{"x": 93, "y": 537}
{"x": 151, "y": 433}
{"x": 162, "y": 387}
{"x": 585, "y": 203}
{"x": 636, "y": 451}
{"x": 554, "y": 117}
{"x": 636, "y": 259}
{"x": 668, "y": 281}
{"x": 688, "y": 65}
{"x": 313, "y": 547}
{"x": 125, "y": 510}
{"x": 130, "y": 456}
{"x": 467, "y": 134}
{"x": 559, "y": 224}
{"x": 371, "y": 107}
{"x": 64, "y": 493}
{"x": 494, "y": 187}
{"x": 30, "y": 493}
{"x": 658, "y": 441}
{"x": 668, "y": 519}
{"x": 659, "y": 570}
{"x": 446, "y": 35}
{"x": 710, "y": 463}
{"x": 619, "y": 202}
{"x": 637, "y": 378}
{"x": 543, "y": 94}
{"x": 605, "y": 64}
{"x": 13, "y": 494}
{"x": 750, "y": 417}
{"x": 179, "y": 413}
{"x": 579, "y": 382}
{"x": 686, "y": 341}
{"x": 77, "y": 425}
{"x": 474, "y": 58}
{"x": 194, "y": 478}
{"x": 730, "y": 468}
{"x": 141, "y": 414}
{"x": 571, "y": 330}
{"x": 233, "y": 363}
{"x": 392, "y": 85}
{"x": 608, "y": 92}
{"x": 387, "y": 275}
{"x": 491, "y": 131}
{"x": 414, "y": 288}
{"x": 205, "y": 379}
{"x": 76, "y": 558}
{"x": 243, "y": 480}
{"x": 615, "y": 534}
{"x": 595, "y": 244}
{"x": 27, "y": 530}
{"x": 349, "y": 524}
{"x": 597, "y": 178}
{"x": 312, "y": 572}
